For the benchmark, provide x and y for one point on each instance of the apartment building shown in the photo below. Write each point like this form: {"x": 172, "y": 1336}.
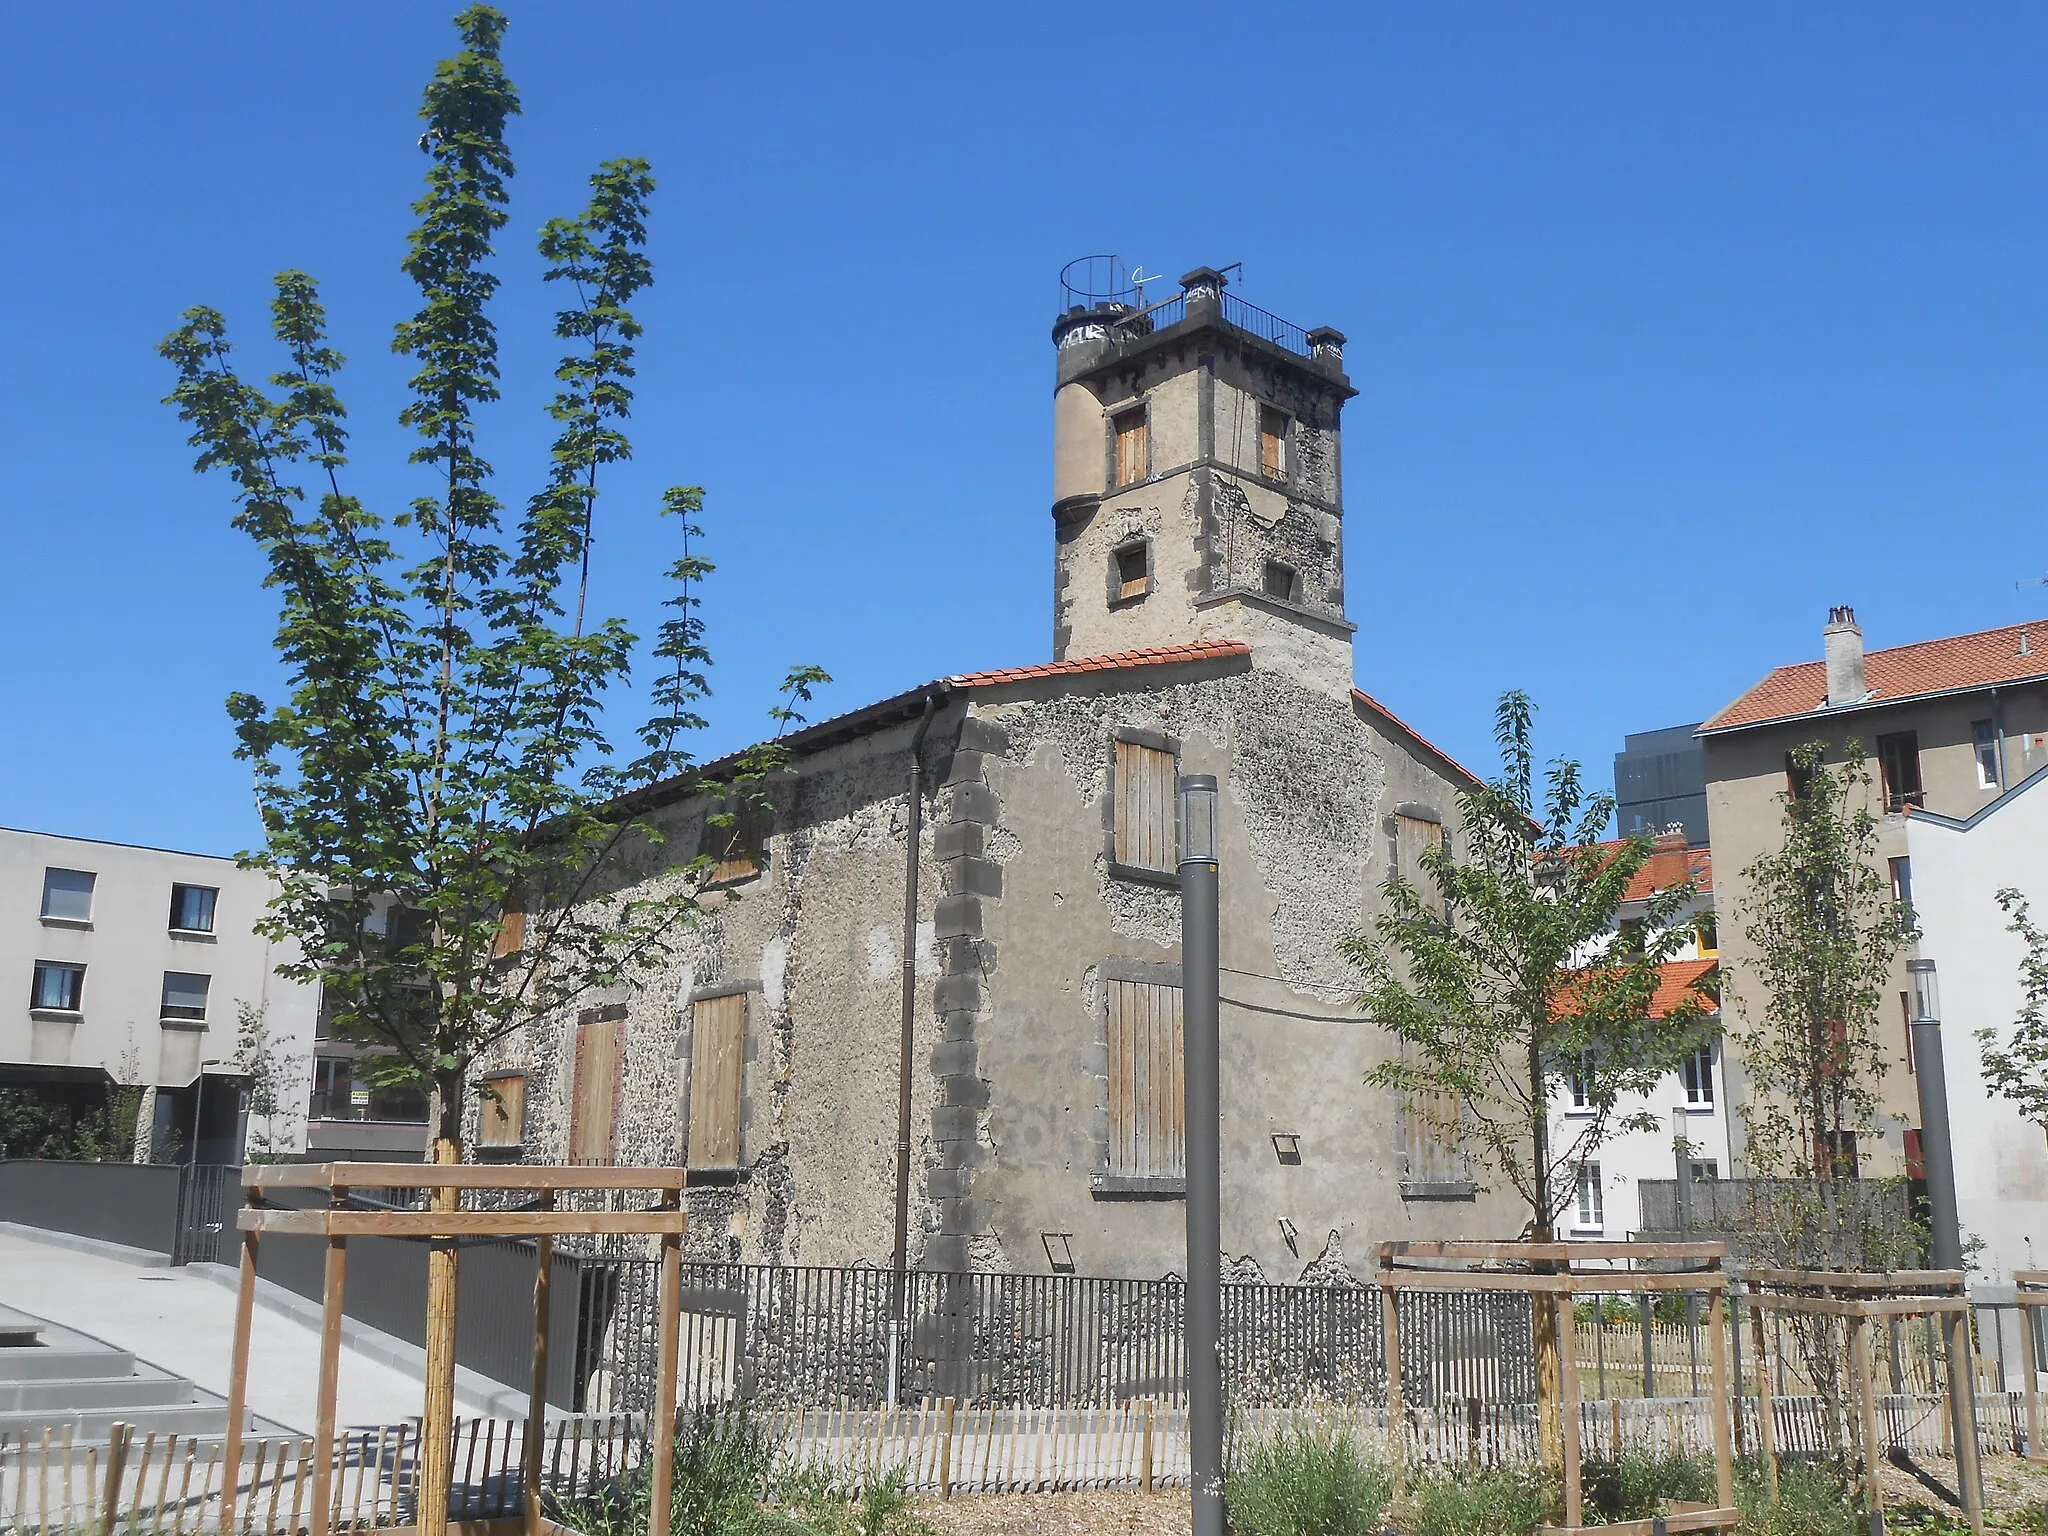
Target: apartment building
{"x": 134, "y": 966}
{"x": 1943, "y": 726}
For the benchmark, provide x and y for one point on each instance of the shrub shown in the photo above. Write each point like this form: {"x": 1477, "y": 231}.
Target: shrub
{"x": 1504, "y": 1503}
{"x": 1812, "y": 1501}
{"x": 722, "y": 1461}
{"x": 1634, "y": 1486}
{"x": 1306, "y": 1482}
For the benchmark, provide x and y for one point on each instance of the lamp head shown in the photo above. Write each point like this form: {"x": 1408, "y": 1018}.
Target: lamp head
{"x": 1198, "y": 818}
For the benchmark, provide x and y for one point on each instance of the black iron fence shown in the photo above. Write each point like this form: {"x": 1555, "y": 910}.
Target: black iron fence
{"x": 789, "y": 1336}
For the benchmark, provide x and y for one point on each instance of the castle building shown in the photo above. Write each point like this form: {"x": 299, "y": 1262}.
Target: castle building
{"x": 1012, "y": 833}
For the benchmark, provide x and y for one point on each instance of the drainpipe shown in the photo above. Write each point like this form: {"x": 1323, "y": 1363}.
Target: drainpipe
{"x": 908, "y": 1042}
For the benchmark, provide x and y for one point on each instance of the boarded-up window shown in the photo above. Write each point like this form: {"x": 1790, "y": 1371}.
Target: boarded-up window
{"x": 1146, "y": 1104}
{"x": 1433, "y": 1133}
{"x": 718, "y": 1040}
{"x": 1133, "y": 579}
{"x": 511, "y": 934}
{"x": 1132, "y": 451}
{"x": 735, "y": 847}
{"x": 1413, "y": 837}
{"x": 1272, "y": 443}
{"x": 1145, "y": 813}
{"x": 501, "y": 1116}
{"x": 600, "y": 1075}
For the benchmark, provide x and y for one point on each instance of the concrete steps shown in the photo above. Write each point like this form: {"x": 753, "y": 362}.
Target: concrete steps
{"x": 55, "y": 1379}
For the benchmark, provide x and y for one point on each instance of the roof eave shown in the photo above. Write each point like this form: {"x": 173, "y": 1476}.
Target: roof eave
{"x": 1865, "y": 705}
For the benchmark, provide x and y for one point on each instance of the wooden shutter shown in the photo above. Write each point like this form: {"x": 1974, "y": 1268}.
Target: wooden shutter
{"x": 1413, "y": 837}
{"x": 1272, "y": 443}
{"x": 511, "y": 934}
{"x": 1131, "y": 447}
{"x": 1145, "y": 811}
{"x": 718, "y": 1039}
{"x": 1435, "y": 1133}
{"x": 501, "y": 1118}
{"x": 600, "y": 1075}
{"x": 1146, "y": 1104}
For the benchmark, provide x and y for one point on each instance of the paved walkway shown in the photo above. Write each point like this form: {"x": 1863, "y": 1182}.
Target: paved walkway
{"x": 185, "y": 1323}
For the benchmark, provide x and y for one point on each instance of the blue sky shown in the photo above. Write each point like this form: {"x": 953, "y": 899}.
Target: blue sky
{"x": 1673, "y": 325}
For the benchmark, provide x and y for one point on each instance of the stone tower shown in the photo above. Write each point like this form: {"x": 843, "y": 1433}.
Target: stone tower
{"x": 1197, "y": 480}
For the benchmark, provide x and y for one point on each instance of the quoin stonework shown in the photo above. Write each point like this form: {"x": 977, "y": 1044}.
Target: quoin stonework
{"x": 1198, "y": 529}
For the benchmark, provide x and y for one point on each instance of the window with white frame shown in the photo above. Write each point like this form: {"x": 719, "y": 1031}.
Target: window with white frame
{"x": 1582, "y": 1081}
{"x": 1591, "y": 1215}
{"x": 1696, "y": 1072}
{"x": 1986, "y": 734}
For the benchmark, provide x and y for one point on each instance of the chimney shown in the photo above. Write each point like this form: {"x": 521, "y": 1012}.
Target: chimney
{"x": 1842, "y": 643}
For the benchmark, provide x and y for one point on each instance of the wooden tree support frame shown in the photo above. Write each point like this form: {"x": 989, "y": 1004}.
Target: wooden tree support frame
{"x": 2030, "y": 1293}
{"x": 1554, "y": 1279}
{"x": 1861, "y": 1299}
{"x": 336, "y": 1223}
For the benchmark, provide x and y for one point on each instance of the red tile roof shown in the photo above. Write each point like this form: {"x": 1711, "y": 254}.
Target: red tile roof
{"x": 1990, "y": 656}
{"x": 1115, "y": 661}
{"x": 1677, "y": 979}
{"x": 1668, "y": 867}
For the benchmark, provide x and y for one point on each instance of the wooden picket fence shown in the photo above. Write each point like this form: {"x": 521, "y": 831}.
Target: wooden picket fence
{"x": 169, "y": 1485}
{"x": 146, "y": 1484}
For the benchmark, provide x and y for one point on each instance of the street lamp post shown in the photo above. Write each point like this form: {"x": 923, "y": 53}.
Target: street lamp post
{"x": 1201, "y": 1002}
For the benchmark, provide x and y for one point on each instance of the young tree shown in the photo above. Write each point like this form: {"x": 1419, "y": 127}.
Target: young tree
{"x": 440, "y": 768}
{"x": 2019, "y": 1072}
{"x": 273, "y": 1072}
{"x": 1510, "y": 971}
{"x": 1824, "y": 931}
{"x": 1510, "y": 974}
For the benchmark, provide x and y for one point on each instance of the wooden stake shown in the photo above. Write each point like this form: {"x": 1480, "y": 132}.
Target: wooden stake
{"x": 1566, "y": 1343}
{"x": 1766, "y": 1417}
{"x": 661, "y": 1428}
{"x": 946, "y": 1449}
{"x": 437, "y": 1421}
{"x": 117, "y": 1459}
{"x": 1723, "y": 1402}
{"x": 1962, "y": 1377}
{"x": 330, "y": 1386}
{"x": 238, "y": 1375}
{"x": 537, "y": 1391}
{"x": 1866, "y": 1408}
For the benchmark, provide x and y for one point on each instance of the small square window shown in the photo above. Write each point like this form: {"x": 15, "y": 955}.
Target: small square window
{"x": 1706, "y": 934}
{"x": 184, "y": 995}
{"x": 1272, "y": 443}
{"x": 1282, "y": 581}
{"x": 1985, "y": 733}
{"x": 67, "y": 895}
{"x": 1133, "y": 574}
{"x": 1133, "y": 449}
{"x": 58, "y": 987}
{"x": 192, "y": 908}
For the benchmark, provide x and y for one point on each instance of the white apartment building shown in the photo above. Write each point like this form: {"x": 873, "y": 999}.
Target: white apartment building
{"x": 1692, "y": 1102}
{"x": 1955, "y": 868}
{"x": 129, "y": 965}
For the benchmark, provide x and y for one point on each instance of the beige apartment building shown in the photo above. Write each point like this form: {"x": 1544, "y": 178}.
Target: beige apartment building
{"x": 1946, "y": 726}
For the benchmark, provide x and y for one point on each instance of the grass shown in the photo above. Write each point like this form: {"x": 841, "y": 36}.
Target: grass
{"x": 1306, "y": 1482}
{"x": 1639, "y": 1483}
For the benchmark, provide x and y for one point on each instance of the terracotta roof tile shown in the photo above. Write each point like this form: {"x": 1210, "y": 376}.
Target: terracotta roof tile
{"x": 1668, "y": 867}
{"x": 1677, "y": 979}
{"x": 1902, "y": 672}
{"x": 1115, "y": 661}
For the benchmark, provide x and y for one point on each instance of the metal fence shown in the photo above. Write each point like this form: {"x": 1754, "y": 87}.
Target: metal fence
{"x": 1758, "y": 1218}
{"x": 795, "y": 1336}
